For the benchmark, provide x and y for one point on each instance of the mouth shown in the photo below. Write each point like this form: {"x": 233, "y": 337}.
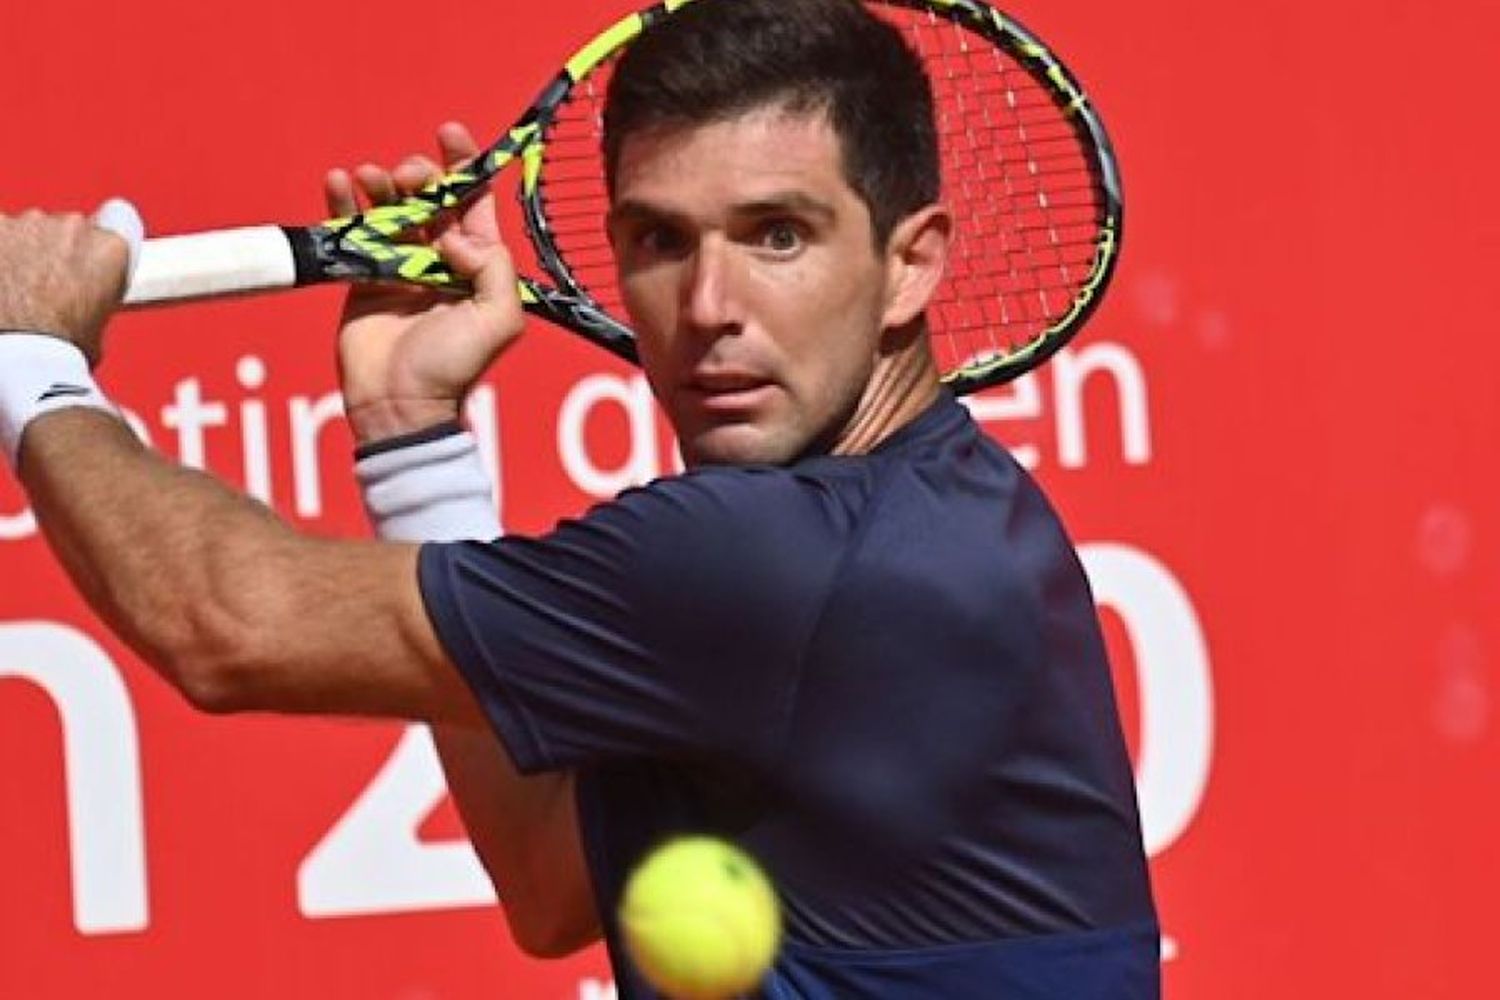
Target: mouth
{"x": 725, "y": 391}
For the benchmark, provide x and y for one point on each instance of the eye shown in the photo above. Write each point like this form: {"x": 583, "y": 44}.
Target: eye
{"x": 661, "y": 241}
{"x": 646, "y": 240}
{"x": 782, "y": 236}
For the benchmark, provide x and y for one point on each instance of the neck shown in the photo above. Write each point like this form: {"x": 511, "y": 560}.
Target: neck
{"x": 904, "y": 383}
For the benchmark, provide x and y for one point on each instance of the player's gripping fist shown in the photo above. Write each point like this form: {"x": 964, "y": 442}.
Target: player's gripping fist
{"x": 407, "y": 357}
{"x": 64, "y": 275}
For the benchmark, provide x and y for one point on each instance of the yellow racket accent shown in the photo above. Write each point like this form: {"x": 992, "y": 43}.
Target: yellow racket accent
{"x": 614, "y": 37}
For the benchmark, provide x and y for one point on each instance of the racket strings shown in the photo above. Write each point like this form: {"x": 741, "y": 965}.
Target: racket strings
{"x": 1034, "y": 168}
{"x": 573, "y": 192}
{"x": 1026, "y": 203}
{"x": 939, "y": 64}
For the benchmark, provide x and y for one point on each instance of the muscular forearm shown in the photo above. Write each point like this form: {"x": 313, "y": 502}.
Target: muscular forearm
{"x": 428, "y": 484}
{"x": 525, "y": 831}
{"x": 234, "y": 608}
{"x": 150, "y": 545}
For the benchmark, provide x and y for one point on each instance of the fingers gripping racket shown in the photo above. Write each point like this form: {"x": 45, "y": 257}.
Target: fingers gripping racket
{"x": 1027, "y": 170}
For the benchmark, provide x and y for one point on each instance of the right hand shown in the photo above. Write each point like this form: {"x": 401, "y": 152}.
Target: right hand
{"x": 408, "y": 356}
{"x": 62, "y": 276}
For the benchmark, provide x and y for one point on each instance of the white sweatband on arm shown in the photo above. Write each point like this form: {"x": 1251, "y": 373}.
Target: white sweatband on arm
{"x": 430, "y": 490}
{"x": 39, "y": 374}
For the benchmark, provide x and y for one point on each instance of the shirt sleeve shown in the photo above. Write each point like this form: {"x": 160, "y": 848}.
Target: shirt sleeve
{"x": 670, "y": 621}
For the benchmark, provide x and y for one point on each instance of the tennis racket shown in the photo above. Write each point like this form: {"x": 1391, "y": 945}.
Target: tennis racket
{"x": 1027, "y": 170}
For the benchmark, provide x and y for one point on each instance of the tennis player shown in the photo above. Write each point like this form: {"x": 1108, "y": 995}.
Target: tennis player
{"x": 853, "y": 637}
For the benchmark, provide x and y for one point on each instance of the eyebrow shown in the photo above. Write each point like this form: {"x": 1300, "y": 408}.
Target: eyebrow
{"x": 786, "y": 201}
{"x": 771, "y": 204}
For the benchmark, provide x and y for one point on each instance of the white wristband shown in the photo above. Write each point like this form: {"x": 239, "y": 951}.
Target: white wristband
{"x": 432, "y": 491}
{"x": 39, "y": 374}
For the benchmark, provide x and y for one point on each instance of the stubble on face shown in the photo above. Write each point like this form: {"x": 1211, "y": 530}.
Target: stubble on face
{"x": 748, "y": 266}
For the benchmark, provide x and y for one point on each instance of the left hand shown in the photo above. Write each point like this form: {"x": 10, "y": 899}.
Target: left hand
{"x": 407, "y": 357}
{"x": 60, "y": 275}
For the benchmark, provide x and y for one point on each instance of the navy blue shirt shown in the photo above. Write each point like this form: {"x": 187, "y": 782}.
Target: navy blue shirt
{"x": 882, "y": 675}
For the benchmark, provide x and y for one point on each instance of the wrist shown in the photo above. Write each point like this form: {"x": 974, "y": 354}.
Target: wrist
{"x": 428, "y": 488}
{"x": 40, "y": 373}
{"x": 379, "y": 420}
{"x": 413, "y": 439}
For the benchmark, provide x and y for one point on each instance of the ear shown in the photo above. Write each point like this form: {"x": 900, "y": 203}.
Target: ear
{"x": 915, "y": 256}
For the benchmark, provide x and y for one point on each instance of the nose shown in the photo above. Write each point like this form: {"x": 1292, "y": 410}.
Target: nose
{"x": 709, "y": 299}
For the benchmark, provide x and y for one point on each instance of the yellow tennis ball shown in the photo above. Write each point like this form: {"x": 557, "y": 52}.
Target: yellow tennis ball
{"x": 700, "y": 920}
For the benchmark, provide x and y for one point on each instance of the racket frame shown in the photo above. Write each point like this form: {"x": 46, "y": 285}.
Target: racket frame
{"x": 360, "y": 247}
{"x": 1013, "y": 38}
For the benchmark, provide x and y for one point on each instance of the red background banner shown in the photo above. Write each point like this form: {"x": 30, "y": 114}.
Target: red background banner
{"x": 1274, "y": 445}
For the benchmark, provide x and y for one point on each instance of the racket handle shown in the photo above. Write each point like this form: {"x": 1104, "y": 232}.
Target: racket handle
{"x": 214, "y": 265}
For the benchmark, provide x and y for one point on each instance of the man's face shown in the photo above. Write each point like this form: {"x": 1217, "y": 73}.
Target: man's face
{"x": 748, "y": 268}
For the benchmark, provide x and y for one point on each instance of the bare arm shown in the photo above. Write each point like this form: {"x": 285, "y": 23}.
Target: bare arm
{"x": 234, "y": 608}
{"x": 525, "y": 831}
{"x": 524, "y": 828}
{"x": 238, "y": 611}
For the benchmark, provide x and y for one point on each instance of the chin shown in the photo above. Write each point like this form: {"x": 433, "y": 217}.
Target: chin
{"x": 738, "y": 444}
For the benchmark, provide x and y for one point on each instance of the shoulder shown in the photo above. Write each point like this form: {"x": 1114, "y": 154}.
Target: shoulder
{"x": 711, "y": 531}
{"x": 751, "y": 503}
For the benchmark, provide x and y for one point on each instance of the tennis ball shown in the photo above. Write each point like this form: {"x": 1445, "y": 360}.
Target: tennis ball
{"x": 700, "y": 920}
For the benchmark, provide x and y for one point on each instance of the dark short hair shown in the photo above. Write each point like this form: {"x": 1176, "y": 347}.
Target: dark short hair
{"x": 717, "y": 59}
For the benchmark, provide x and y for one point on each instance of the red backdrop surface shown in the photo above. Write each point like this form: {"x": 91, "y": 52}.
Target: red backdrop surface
{"x": 1286, "y": 503}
